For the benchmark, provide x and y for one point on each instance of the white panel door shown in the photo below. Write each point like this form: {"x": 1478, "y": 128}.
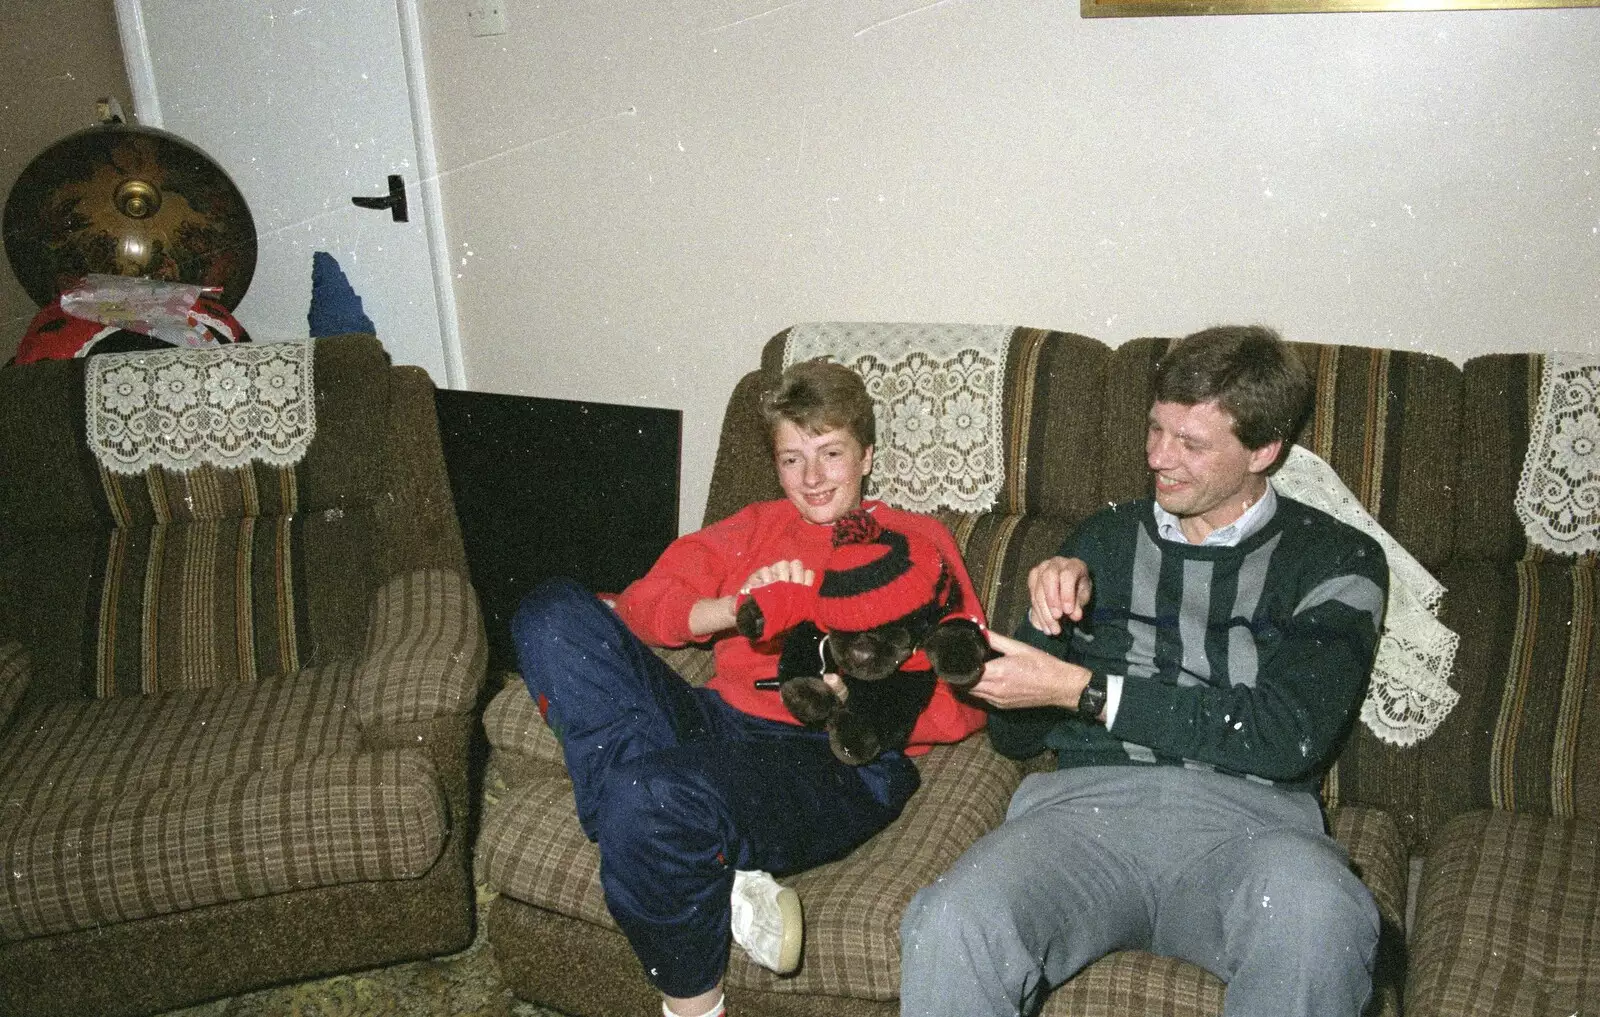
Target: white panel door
{"x": 307, "y": 105}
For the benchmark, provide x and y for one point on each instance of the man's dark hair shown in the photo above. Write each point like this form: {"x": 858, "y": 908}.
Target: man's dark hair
{"x": 1248, "y": 371}
{"x": 818, "y": 396}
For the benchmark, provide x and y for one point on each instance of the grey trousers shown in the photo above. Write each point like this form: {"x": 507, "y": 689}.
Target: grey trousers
{"x": 1236, "y": 877}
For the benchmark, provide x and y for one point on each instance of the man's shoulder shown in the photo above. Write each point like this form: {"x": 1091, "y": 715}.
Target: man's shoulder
{"x": 1119, "y": 516}
{"x": 1328, "y": 536}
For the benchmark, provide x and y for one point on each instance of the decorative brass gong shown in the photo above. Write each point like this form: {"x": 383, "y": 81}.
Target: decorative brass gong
{"x": 125, "y": 200}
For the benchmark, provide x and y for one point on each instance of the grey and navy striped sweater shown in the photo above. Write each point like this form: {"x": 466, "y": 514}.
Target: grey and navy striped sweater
{"x": 1251, "y": 660}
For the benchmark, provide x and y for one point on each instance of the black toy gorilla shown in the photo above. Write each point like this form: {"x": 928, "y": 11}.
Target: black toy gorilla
{"x": 885, "y": 618}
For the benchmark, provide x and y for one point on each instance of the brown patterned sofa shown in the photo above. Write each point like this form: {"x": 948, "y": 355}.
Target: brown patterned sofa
{"x": 235, "y": 704}
{"x": 1501, "y": 802}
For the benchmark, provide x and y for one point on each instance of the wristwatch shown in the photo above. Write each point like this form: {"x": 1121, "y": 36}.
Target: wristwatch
{"x": 1092, "y": 699}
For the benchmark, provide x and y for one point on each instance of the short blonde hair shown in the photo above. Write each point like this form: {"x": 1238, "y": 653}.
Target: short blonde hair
{"x": 819, "y": 396}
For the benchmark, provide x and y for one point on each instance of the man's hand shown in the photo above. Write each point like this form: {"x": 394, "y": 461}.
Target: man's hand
{"x": 1026, "y": 676}
{"x": 1058, "y": 586}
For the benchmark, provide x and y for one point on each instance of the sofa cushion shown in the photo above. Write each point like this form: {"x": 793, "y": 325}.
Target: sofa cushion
{"x": 1525, "y": 735}
{"x": 425, "y": 650}
{"x": 1503, "y": 391}
{"x": 187, "y": 605}
{"x": 516, "y": 732}
{"x": 1508, "y": 919}
{"x": 122, "y": 808}
{"x": 102, "y": 748}
{"x": 153, "y": 850}
{"x": 532, "y": 849}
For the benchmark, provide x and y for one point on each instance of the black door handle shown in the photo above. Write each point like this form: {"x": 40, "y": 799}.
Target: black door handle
{"x": 395, "y": 202}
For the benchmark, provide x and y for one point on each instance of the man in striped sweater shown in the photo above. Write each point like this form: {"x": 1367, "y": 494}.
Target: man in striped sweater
{"x": 1195, "y": 660}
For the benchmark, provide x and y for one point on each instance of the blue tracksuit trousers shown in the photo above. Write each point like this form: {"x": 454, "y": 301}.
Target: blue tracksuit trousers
{"x": 679, "y": 789}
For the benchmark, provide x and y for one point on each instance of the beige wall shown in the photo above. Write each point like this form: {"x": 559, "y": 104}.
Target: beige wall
{"x": 638, "y": 194}
{"x": 57, "y": 57}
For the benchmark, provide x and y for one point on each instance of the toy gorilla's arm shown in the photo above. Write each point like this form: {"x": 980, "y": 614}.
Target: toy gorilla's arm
{"x": 770, "y": 610}
{"x": 957, "y": 649}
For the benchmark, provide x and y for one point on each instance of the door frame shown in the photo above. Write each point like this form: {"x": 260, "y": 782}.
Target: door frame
{"x": 147, "y": 108}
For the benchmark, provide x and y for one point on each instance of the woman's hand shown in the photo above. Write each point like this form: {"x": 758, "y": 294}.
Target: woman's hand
{"x": 792, "y": 571}
{"x": 717, "y": 614}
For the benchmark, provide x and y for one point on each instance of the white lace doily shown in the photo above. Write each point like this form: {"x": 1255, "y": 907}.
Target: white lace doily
{"x": 936, "y": 390}
{"x": 1558, "y": 497}
{"x": 1410, "y": 692}
{"x": 179, "y": 408}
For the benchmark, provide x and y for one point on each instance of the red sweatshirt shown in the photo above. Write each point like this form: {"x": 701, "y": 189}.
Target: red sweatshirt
{"x": 715, "y": 562}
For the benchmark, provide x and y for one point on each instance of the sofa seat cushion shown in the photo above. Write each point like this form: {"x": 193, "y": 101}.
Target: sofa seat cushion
{"x": 60, "y": 754}
{"x": 1508, "y": 918}
{"x": 118, "y": 809}
{"x": 516, "y": 732}
{"x": 532, "y": 850}
{"x": 155, "y": 850}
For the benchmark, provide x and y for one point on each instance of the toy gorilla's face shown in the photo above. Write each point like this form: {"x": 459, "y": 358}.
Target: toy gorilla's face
{"x": 874, "y": 654}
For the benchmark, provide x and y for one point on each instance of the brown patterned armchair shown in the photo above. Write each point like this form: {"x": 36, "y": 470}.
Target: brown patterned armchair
{"x": 235, "y": 703}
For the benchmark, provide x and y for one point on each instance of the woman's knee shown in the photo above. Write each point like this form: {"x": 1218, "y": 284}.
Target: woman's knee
{"x": 549, "y": 606}
{"x": 661, "y": 813}
{"x": 550, "y": 626}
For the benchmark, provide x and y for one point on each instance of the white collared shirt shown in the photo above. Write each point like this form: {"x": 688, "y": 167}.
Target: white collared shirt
{"x": 1168, "y": 525}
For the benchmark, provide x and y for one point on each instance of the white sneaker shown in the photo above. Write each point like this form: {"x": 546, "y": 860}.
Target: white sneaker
{"x": 766, "y": 921}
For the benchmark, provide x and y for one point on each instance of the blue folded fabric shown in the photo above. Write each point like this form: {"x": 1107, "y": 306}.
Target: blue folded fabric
{"x": 335, "y": 307}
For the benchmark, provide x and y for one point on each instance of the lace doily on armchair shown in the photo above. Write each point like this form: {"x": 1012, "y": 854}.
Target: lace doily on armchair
{"x": 180, "y": 408}
{"x": 1558, "y": 497}
{"x": 1410, "y": 692}
{"x": 936, "y": 390}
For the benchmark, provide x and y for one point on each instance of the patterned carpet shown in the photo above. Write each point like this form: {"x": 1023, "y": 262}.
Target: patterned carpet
{"x": 466, "y": 984}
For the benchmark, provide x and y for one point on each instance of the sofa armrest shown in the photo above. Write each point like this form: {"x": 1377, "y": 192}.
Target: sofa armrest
{"x": 14, "y": 675}
{"x": 426, "y": 651}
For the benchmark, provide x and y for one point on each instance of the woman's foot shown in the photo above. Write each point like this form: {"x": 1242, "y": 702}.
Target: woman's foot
{"x": 767, "y": 921}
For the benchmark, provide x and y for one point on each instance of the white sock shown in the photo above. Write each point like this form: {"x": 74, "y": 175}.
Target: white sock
{"x": 718, "y": 1009}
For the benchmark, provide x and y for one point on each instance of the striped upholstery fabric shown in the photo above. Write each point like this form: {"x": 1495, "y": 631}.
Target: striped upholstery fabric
{"x": 532, "y": 849}
{"x": 158, "y": 849}
{"x": 1526, "y": 734}
{"x": 425, "y": 650}
{"x": 516, "y": 730}
{"x": 1502, "y": 391}
{"x": 1508, "y": 919}
{"x": 199, "y": 582}
{"x": 998, "y": 551}
{"x": 98, "y": 748}
{"x": 13, "y": 679}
